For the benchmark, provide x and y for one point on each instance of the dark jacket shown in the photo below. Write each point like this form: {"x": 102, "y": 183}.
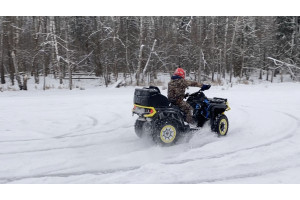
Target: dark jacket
{"x": 177, "y": 86}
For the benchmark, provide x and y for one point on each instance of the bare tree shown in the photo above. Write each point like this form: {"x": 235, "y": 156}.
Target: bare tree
{"x": 231, "y": 49}
{"x": 143, "y": 46}
{"x": 147, "y": 63}
{"x": 56, "y": 55}
{"x": 2, "y": 54}
{"x": 138, "y": 71}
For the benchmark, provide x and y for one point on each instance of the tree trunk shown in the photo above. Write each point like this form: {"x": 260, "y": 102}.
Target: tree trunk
{"x": 106, "y": 77}
{"x": 44, "y": 72}
{"x": 293, "y": 39}
{"x": 220, "y": 66}
{"x": 56, "y": 53}
{"x": 25, "y": 78}
{"x": 260, "y": 74}
{"x": 199, "y": 68}
{"x": 231, "y": 49}
{"x": 37, "y": 29}
{"x": 146, "y": 65}
{"x": 2, "y": 71}
{"x": 67, "y": 52}
{"x": 272, "y": 75}
{"x": 13, "y": 56}
{"x": 225, "y": 49}
{"x": 242, "y": 56}
{"x": 139, "y": 66}
{"x": 70, "y": 76}
{"x": 8, "y": 45}
{"x": 116, "y": 73}
{"x": 141, "y": 52}
{"x": 2, "y": 59}
{"x": 126, "y": 52}
{"x": 213, "y": 50}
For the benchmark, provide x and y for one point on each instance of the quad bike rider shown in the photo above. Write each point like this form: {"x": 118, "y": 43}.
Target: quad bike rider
{"x": 176, "y": 93}
{"x": 162, "y": 119}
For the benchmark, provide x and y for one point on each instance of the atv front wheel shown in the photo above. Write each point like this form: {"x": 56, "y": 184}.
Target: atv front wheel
{"x": 166, "y": 133}
{"x": 220, "y": 125}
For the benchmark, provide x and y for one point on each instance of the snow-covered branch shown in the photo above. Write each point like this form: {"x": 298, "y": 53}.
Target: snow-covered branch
{"x": 284, "y": 63}
{"x": 188, "y": 25}
{"x": 17, "y": 27}
{"x": 287, "y": 65}
{"x": 106, "y": 28}
{"x": 159, "y": 58}
{"x": 85, "y": 58}
{"x": 113, "y": 39}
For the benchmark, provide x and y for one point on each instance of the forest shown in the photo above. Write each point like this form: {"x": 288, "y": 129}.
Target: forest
{"x": 137, "y": 48}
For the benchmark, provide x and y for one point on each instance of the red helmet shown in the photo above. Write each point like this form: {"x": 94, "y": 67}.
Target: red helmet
{"x": 180, "y": 72}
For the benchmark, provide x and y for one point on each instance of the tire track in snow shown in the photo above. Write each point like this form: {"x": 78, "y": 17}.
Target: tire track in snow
{"x": 232, "y": 177}
{"x": 49, "y": 149}
{"x": 279, "y": 140}
{"x": 116, "y": 116}
{"x": 63, "y": 147}
{"x": 240, "y": 176}
{"x": 98, "y": 132}
{"x": 7, "y": 180}
{"x": 69, "y": 136}
{"x": 66, "y": 175}
{"x": 94, "y": 123}
{"x": 174, "y": 162}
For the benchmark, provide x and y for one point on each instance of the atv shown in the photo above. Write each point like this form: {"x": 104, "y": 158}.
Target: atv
{"x": 165, "y": 123}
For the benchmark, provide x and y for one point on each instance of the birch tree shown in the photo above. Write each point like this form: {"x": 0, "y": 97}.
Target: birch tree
{"x": 2, "y": 53}
{"x": 143, "y": 46}
{"x": 225, "y": 49}
{"x": 231, "y": 49}
{"x": 138, "y": 71}
{"x": 55, "y": 52}
{"x": 68, "y": 60}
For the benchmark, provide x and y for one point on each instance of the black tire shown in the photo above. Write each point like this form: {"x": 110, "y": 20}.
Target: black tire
{"x": 220, "y": 125}
{"x": 166, "y": 133}
{"x": 138, "y": 128}
{"x": 143, "y": 128}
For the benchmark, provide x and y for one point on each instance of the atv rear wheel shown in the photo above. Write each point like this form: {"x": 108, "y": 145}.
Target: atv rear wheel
{"x": 142, "y": 128}
{"x": 220, "y": 125}
{"x": 138, "y": 128}
{"x": 166, "y": 133}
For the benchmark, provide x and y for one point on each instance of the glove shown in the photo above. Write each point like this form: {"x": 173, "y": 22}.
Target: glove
{"x": 205, "y": 87}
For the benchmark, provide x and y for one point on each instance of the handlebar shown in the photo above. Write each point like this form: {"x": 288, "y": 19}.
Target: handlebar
{"x": 187, "y": 94}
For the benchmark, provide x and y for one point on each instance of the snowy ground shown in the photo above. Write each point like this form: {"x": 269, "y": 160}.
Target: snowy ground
{"x": 87, "y": 136}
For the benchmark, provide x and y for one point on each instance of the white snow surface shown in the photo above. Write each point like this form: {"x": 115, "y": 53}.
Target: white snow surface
{"x": 87, "y": 136}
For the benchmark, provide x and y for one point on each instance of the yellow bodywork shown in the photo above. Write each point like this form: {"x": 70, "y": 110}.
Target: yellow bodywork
{"x": 150, "y": 108}
{"x": 228, "y": 108}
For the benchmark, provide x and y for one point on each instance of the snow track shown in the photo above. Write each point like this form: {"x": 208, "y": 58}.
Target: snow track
{"x": 47, "y": 139}
{"x": 64, "y": 135}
